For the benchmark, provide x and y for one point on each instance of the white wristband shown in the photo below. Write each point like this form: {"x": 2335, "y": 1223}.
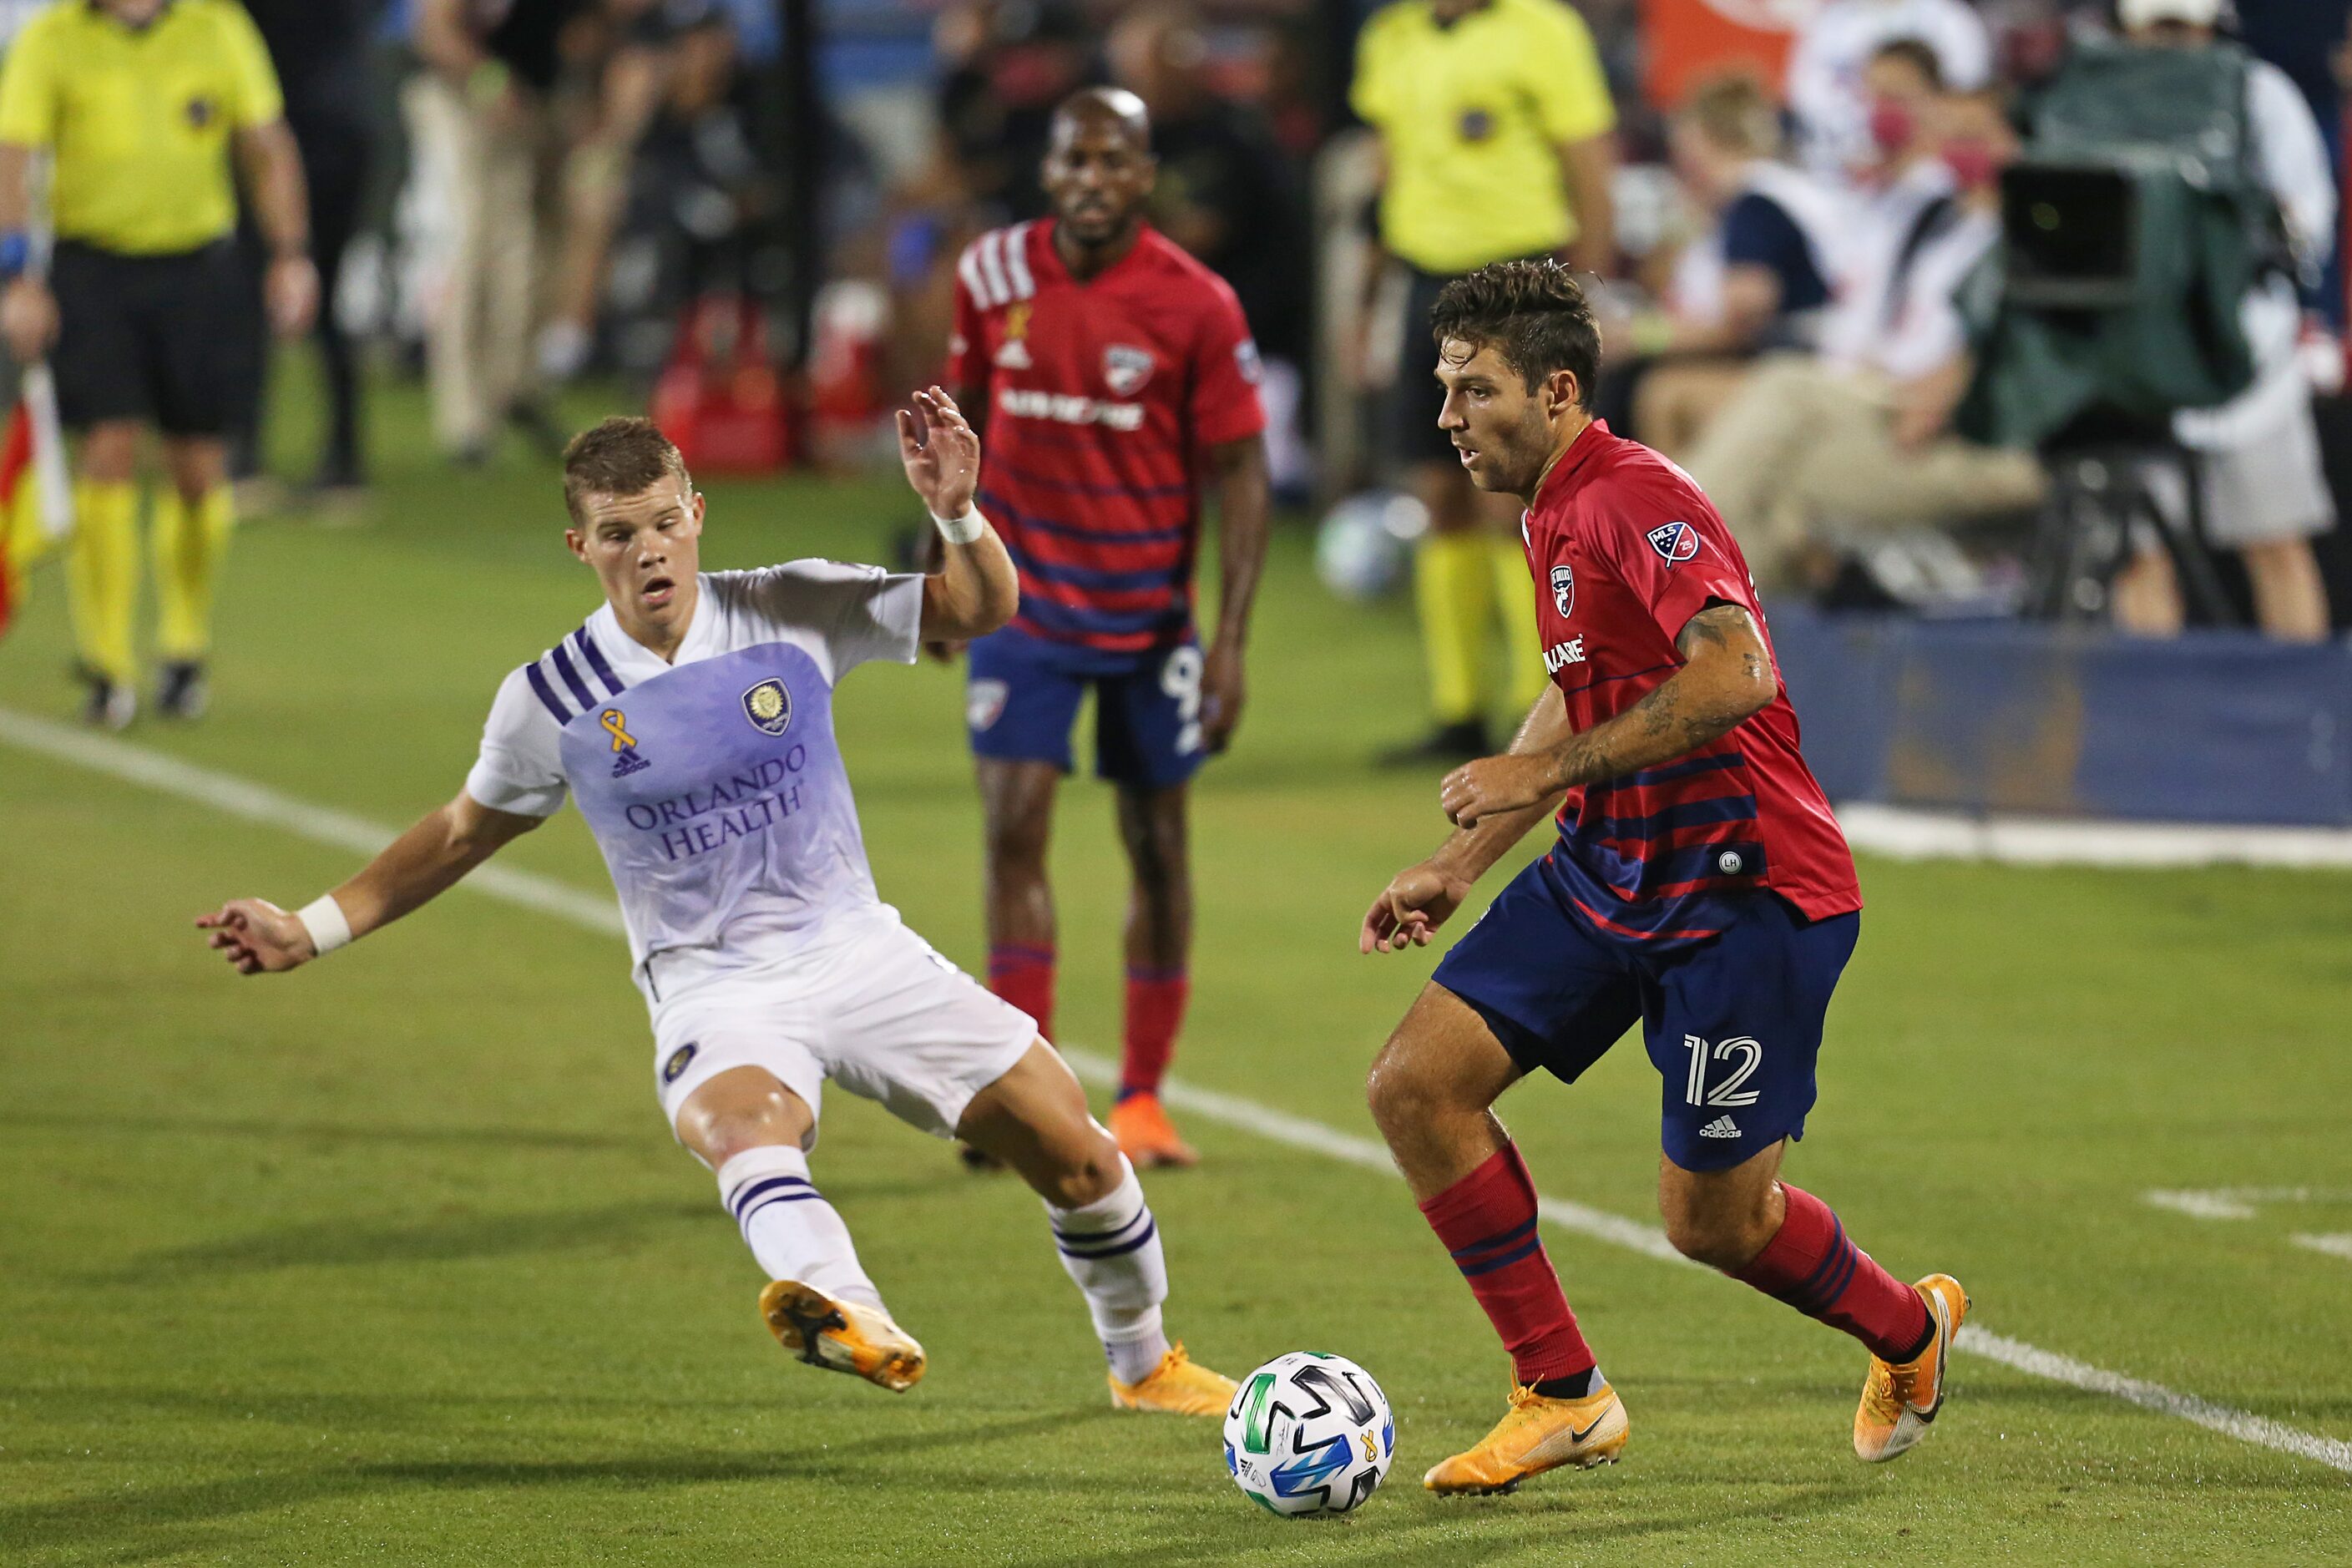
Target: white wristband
{"x": 961, "y": 529}
{"x": 323, "y": 919}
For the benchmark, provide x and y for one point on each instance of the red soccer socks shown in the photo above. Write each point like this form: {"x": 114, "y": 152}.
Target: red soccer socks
{"x": 1811, "y": 1264}
{"x": 1488, "y": 1222}
{"x": 1024, "y": 977}
{"x": 1155, "y": 1011}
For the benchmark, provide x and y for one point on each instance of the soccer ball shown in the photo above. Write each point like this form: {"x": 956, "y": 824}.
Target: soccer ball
{"x": 1361, "y": 548}
{"x": 1309, "y": 1434}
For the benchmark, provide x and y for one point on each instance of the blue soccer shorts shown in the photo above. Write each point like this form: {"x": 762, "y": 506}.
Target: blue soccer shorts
{"x": 1733, "y": 1023}
{"x": 1021, "y": 697}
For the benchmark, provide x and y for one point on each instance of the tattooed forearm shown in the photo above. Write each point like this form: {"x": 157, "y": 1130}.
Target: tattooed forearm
{"x": 1727, "y": 677}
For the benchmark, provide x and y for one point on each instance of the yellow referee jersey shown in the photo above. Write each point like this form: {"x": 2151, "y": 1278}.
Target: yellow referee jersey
{"x": 1471, "y": 117}
{"x": 138, "y": 119}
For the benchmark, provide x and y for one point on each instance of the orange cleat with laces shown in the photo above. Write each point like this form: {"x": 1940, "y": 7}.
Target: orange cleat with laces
{"x": 1899, "y": 1402}
{"x": 1536, "y": 1434}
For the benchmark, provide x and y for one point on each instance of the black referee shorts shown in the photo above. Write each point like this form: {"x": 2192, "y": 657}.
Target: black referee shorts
{"x": 1416, "y": 397}
{"x": 151, "y": 338}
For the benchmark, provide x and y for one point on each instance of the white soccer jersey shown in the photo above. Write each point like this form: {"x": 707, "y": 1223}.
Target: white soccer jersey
{"x": 712, "y": 783}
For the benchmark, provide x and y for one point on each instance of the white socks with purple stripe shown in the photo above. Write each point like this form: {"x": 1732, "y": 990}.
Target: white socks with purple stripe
{"x": 1110, "y": 1248}
{"x": 791, "y": 1229}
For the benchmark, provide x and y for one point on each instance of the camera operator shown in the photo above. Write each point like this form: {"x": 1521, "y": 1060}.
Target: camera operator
{"x": 2266, "y": 495}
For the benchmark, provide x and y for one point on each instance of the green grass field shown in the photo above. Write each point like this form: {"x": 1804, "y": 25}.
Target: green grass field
{"x": 393, "y": 1261}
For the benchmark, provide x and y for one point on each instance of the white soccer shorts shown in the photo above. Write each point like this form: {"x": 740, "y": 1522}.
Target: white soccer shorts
{"x": 880, "y": 1012}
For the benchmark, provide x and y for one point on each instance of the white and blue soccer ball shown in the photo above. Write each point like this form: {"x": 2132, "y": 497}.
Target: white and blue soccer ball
{"x": 1309, "y": 1434}
{"x": 1362, "y": 545}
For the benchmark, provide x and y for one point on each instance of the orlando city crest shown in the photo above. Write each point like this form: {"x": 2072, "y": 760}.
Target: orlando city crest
{"x": 1126, "y": 369}
{"x": 1563, "y": 590}
{"x": 1675, "y": 543}
{"x": 769, "y": 707}
{"x": 626, "y": 761}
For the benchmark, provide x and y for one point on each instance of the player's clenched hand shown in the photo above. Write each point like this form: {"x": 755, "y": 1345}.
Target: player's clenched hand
{"x": 1222, "y": 695}
{"x": 1416, "y": 901}
{"x": 28, "y": 319}
{"x": 1493, "y": 785}
{"x": 257, "y": 936}
{"x": 941, "y": 452}
{"x": 290, "y": 290}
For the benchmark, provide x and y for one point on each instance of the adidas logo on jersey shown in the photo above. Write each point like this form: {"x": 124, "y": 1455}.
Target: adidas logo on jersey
{"x": 1014, "y": 354}
{"x": 1721, "y": 1127}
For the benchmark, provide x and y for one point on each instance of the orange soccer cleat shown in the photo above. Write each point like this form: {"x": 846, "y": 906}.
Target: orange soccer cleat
{"x": 1899, "y": 1402}
{"x": 1179, "y": 1385}
{"x": 1145, "y": 1134}
{"x": 841, "y": 1336}
{"x": 1536, "y": 1434}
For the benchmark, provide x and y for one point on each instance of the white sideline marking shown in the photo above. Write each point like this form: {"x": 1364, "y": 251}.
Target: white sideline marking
{"x": 255, "y": 803}
{"x": 2237, "y": 1202}
{"x": 2336, "y": 1246}
{"x": 1907, "y": 835}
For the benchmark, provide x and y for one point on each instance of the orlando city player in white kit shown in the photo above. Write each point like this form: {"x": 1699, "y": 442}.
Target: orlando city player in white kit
{"x": 691, "y": 717}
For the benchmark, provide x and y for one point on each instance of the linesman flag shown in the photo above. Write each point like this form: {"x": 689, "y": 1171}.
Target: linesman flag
{"x": 36, "y": 491}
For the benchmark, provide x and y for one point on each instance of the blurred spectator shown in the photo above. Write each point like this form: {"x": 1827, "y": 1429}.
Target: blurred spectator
{"x": 2264, "y": 493}
{"x": 1496, "y": 126}
{"x": 2302, "y": 37}
{"x": 634, "y": 58}
{"x": 481, "y": 113}
{"x": 1005, "y": 67}
{"x": 321, "y": 51}
{"x": 1760, "y": 277}
{"x": 1828, "y": 96}
{"x": 1861, "y": 434}
{"x": 1227, "y": 194}
{"x": 698, "y": 178}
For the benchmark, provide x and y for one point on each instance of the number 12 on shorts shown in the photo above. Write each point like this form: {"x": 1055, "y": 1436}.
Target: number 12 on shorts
{"x": 1744, "y": 1051}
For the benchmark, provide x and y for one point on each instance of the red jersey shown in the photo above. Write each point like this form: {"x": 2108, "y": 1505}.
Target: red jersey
{"x": 1101, "y": 397}
{"x": 1625, "y": 549}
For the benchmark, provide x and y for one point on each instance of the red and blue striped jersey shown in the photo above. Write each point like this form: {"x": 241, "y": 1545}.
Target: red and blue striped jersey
{"x": 1101, "y": 397}
{"x": 1624, "y": 549}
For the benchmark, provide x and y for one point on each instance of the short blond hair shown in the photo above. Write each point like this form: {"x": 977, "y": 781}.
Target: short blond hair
{"x": 1735, "y": 113}
{"x": 622, "y": 456}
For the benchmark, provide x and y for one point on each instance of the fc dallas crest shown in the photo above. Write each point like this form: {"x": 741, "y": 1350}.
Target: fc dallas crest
{"x": 1126, "y": 369}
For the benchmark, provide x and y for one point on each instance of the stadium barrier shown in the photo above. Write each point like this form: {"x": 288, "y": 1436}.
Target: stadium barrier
{"x": 2044, "y": 720}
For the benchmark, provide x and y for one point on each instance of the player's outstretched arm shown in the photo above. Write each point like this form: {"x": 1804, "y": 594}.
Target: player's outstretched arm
{"x": 1726, "y": 675}
{"x": 975, "y": 590}
{"x": 257, "y": 936}
{"x": 1420, "y": 898}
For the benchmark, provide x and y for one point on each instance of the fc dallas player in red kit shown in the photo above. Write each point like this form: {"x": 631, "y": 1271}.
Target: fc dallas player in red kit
{"x": 1111, "y": 370}
{"x": 1700, "y": 887}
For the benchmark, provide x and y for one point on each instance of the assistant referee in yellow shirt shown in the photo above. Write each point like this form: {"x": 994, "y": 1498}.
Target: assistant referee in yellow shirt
{"x": 148, "y": 111}
{"x": 1495, "y": 131}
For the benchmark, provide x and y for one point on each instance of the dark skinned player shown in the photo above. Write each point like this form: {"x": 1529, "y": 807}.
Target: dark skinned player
{"x": 1115, "y": 375}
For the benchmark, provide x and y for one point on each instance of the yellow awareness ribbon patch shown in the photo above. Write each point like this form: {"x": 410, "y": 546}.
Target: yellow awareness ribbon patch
{"x": 613, "y": 722}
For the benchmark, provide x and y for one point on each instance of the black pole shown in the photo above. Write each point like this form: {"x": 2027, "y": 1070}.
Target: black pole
{"x": 801, "y": 127}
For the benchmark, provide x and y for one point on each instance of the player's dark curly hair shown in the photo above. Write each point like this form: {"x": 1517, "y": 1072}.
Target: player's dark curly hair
{"x": 622, "y": 456}
{"x": 1534, "y": 313}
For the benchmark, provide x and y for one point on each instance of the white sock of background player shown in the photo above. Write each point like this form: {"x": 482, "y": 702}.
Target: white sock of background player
{"x": 1110, "y": 1248}
{"x": 791, "y": 1229}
